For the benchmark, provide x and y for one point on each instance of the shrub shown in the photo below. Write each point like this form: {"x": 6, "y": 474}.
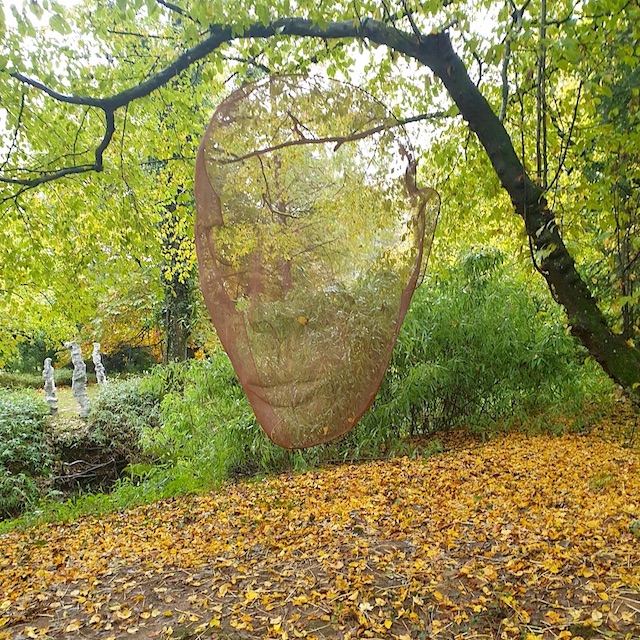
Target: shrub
{"x": 120, "y": 412}
{"x": 17, "y": 493}
{"x": 94, "y": 455}
{"x": 63, "y": 378}
{"x": 24, "y": 454}
{"x": 478, "y": 349}
{"x": 209, "y": 432}
{"x": 23, "y": 423}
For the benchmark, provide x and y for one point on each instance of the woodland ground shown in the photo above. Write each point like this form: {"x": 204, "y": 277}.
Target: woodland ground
{"x": 521, "y": 537}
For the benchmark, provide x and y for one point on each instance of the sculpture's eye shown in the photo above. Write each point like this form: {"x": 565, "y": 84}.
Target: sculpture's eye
{"x": 311, "y": 236}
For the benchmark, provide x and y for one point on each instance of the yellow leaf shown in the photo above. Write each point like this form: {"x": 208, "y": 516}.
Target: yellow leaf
{"x": 74, "y": 625}
{"x": 552, "y": 617}
{"x": 524, "y": 616}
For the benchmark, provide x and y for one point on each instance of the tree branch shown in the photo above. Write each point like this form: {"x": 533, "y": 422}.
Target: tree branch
{"x": 56, "y": 95}
{"x": 174, "y": 7}
{"x": 15, "y": 133}
{"x": 50, "y": 176}
{"x": 339, "y": 140}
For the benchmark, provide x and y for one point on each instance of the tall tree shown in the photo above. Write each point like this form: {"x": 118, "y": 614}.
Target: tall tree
{"x": 436, "y": 36}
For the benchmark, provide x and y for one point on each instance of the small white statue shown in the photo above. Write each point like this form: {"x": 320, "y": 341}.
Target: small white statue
{"x": 49, "y": 386}
{"x": 101, "y": 376}
{"x": 79, "y": 379}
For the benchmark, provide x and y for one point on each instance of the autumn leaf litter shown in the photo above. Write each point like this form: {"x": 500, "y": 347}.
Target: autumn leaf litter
{"x": 522, "y": 537}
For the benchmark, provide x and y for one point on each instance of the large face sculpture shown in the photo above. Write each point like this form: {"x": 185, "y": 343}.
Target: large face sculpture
{"x": 311, "y": 237}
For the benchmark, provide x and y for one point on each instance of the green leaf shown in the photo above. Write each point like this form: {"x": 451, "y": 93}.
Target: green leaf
{"x": 59, "y": 24}
{"x": 263, "y": 14}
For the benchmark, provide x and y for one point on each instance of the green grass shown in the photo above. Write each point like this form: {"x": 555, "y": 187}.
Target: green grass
{"x": 67, "y": 404}
{"x": 159, "y": 483}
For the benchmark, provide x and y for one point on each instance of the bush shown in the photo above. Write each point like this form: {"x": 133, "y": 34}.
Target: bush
{"x": 209, "y": 432}
{"x": 23, "y": 423}
{"x": 17, "y": 493}
{"x": 120, "y": 412}
{"x": 478, "y": 349}
{"x": 24, "y": 453}
{"x": 94, "y": 455}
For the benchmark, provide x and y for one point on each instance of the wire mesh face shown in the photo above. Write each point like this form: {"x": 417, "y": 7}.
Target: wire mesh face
{"x": 311, "y": 236}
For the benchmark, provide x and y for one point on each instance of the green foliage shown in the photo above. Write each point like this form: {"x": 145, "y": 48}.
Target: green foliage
{"x": 127, "y": 358}
{"x": 206, "y": 421}
{"x": 24, "y": 453}
{"x": 477, "y": 350}
{"x": 31, "y": 354}
{"x": 120, "y": 413}
{"x": 63, "y": 378}
{"x": 17, "y": 492}
{"x": 23, "y": 421}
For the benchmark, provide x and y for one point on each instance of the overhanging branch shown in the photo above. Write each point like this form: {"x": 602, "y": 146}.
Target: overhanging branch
{"x": 218, "y": 35}
{"x": 338, "y": 140}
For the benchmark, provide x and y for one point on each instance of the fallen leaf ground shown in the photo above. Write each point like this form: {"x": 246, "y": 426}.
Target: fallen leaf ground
{"x": 522, "y": 537}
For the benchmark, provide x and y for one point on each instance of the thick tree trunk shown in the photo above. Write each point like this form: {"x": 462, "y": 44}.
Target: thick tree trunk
{"x": 177, "y": 321}
{"x": 620, "y": 360}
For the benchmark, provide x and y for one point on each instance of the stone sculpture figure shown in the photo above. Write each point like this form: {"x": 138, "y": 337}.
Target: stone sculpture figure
{"x": 79, "y": 379}
{"x": 101, "y": 376}
{"x": 49, "y": 386}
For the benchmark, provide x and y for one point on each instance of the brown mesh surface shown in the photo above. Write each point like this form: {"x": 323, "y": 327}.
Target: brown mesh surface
{"x": 311, "y": 236}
